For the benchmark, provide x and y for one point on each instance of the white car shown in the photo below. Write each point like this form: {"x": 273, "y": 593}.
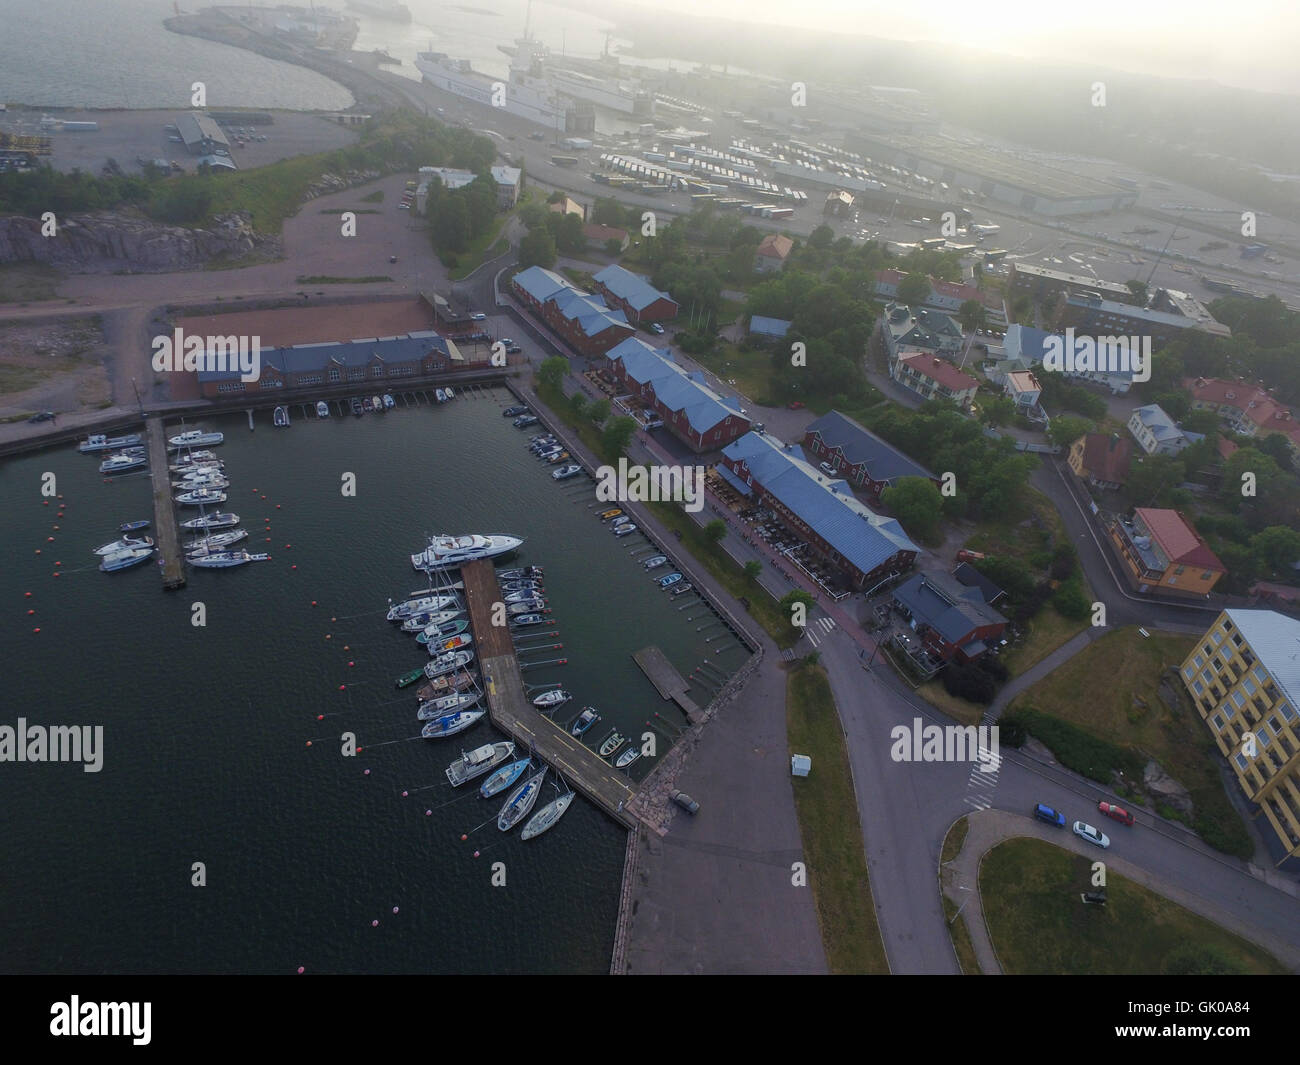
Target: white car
{"x": 828, "y": 469}
{"x": 1092, "y": 835}
{"x": 478, "y": 317}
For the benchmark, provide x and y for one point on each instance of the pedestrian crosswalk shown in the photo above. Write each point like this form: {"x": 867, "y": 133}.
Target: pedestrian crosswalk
{"x": 819, "y": 629}
{"x": 983, "y": 780}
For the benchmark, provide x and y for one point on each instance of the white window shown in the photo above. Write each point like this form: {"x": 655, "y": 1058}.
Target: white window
{"x": 1249, "y": 686}
{"x": 1198, "y": 661}
{"x": 1198, "y": 687}
{"x": 1263, "y": 736}
{"x": 1217, "y": 637}
{"x": 1261, "y": 674}
{"x": 1188, "y": 672}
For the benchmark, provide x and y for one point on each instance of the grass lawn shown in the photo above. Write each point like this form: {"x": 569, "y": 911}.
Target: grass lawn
{"x": 954, "y": 840}
{"x": 1030, "y": 893}
{"x": 1017, "y": 534}
{"x": 968, "y": 713}
{"x": 960, "y": 936}
{"x": 1127, "y": 712}
{"x": 751, "y": 370}
{"x": 1047, "y": 631}
{"x": 829, "y": 828}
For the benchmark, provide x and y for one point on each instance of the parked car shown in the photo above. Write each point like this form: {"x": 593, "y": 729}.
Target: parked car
{"x": 1052, "y": 817}
{"x": 392, "y": 258}
{"x": 686, "y": 802}
{"x": 42, "y": 416}
{"x": 794, "y": 404}
{"x": 656, "y": 328}
{"x": 1092, "y": 835}
{"x": 478, "y": 316}
{"x": 1115, "y": 813}
{"x": 513, "y": 349}
{"x": 827, "y": 469}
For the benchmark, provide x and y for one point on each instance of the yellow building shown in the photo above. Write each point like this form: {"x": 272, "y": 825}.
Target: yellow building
{"x": 1244, "y": 677}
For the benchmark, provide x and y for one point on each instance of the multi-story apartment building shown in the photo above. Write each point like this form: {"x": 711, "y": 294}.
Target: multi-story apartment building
{"x": 932, "y": 377}
{"x": 1244, "y": 678}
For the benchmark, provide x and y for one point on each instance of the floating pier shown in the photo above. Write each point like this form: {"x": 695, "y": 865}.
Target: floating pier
{"x": 670, "y": 684}
{"x": 166, "y": 533}
{"x": 511, "y": 710}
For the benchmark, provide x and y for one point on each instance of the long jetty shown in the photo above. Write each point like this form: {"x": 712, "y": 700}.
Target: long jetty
{"x": 513, "y": 713}
{"x": 166, "y": 533}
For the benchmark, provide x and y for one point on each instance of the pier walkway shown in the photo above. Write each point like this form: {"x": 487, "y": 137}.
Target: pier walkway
{"x": 670, "y": 684}
{"x": 166, "y": 533}
{"x": 513, "y": 713}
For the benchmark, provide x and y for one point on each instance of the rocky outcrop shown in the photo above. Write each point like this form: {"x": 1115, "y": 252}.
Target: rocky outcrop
{"x": 328, "y": 183}
{"x": 120, "y": 242}
{"x": 1165, "y": 789}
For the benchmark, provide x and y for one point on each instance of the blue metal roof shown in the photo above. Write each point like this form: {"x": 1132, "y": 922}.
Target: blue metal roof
{"x": 863, "y": 537}
{"x": 768, "y": 327}
{"x": 884, "y": 462}
{"x": 590, "y": 312}
{"x": 541, "y": 284}
{"x": 673, "y": 386}
{"x": 735, "y": 482}
{"x": 1155, "y": 419}
{"x": 635, "y": 290}
{"x": 947, "y": 606}
{"x": 304, "y": 358}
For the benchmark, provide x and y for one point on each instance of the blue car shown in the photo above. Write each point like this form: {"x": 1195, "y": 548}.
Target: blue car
{"x": 1052, "y": 817}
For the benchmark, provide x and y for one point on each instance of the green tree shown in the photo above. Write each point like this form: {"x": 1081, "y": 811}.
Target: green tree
{"x": 1276, "y": 447}
{"x": 1198, "y": 421}
{"x": 1175, "y": 403}
{"x": 821, "y": 237}
{"x": 1151, "y": 478}
{"x": 451, "y": 225}
{"x": 1139, "y": 290}
{"x": 996, "y": 410}
{"x": 1276, "y": 548}
{"x": 914, "y": 290}
{"x": 795, "y": 595}
{"x": 1066, "y": 429}
{"x": 552, "y": 372}
{"x": 577, "y": 404}
{"x": 617, "y": 434}
{"x": 613, "y": 247}
{"x": 715, "y": 530}
{"x": 753, "y": 570}
{"x": 537, "y": 249}
{"x": 598, "y": 411}
{"x": 918, "y": 505}
{"x": 972, "y": 314}
{"x": 1069, "y": 600}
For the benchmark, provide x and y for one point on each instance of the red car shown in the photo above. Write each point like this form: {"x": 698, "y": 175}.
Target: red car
{"x": 1115, "y": 813}
{"x": 794, "y": 405}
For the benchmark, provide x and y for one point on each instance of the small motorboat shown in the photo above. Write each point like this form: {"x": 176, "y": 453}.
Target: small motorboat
{"x": 558, "y": 457}
{"x": 217, "y": 541}
{"x": 565, "y": 472}
{"x": 521, "y": 800}
{"x": 280, "y": 418}
{"x": 611, "y": 743}
{"x": 446, "y": 704}
{"x": 195, "y": 438}
{"x": 101, "y": 442}
{"x": 670, "y": 579}
{"x": 442, "y": 630}
{"x": 526, "y": 420}
{"x": 448, "y": 662}
{"x": 366, "y": 405}
{"x": 627, "y": 757}
{"x": 407, "y": 679}
{"x": 191, "y": 457}
{"x": 222, "y": 519}
{"x": 113, "y": 547}
{"x": 528, "y": 606}
{"x": 534, "y": 586}
{"x": 610, "y": 515}
{"x": 526, "y": 573}
{"x": 682, "y": 589}
{"x": 322, "y": 409}
{"x": 515, "y": 411}
{"x": 445, "y": 685}
{"x": 624, "y": 530}
{"x": 356, "y": 407}
{"x": 122, "y": 463}
{"x": 201, "y": 497}
{"x": 547, "y": 816}
{"x": 214, "y": 482}
{"x": 419, "y": 623}
{"x": 656, "y": 562}
{"x": 441, "y": 646}
{"x": 475, "y": 763}
{"x": 549, "y": 700}
{"x": 524, "y": 620}
{"x": 523, "y": 596}
{"x": 620, "y": 521}
{"x": 450, "y": 724}
{"x": 132, "y": 526}
{"x": 377, "y": 403}
{"x": 450, "y": 393}
{"x": 132, "y": 556}
{"x": 584, "y": 721}
{"x": 503, "y": 778}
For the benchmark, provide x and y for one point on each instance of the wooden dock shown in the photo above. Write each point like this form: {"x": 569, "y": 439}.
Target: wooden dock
{"x": 166, "y": 532}
{"x": 669, "y": 683}
{"x": 511, "y": 710}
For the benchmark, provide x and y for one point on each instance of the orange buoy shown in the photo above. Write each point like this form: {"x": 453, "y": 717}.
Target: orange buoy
{"x": 58, "y": 563}
{"x": 342, "y": 687}
{"x": 350, "y": 664}
{"x": 36, "y": 630}
{"x": 49, "y": 539}
{"x": 45, "y": 502}
{"x": 320, "y": 717}
{"x": 277, "y": 506}
{"x": 30, "y": 613}
{"x": 309, "y": 743}
{"x": 313, "y": 602}
{"x": 463, "y": 837}
{"x": 293, "y": 567}
{"x": 27, "y": 595}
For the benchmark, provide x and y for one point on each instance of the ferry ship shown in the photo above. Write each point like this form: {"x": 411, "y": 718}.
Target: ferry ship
{"x": 528, "y": 92}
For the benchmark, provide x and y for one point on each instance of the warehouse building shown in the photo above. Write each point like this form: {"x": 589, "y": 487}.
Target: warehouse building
{"x": 859, "y": 456}
{"x": 202, "y": 135}
{"x": 633, "y": 295}
{"x": 864, "y": 546}
{"x": 585, "y": 322}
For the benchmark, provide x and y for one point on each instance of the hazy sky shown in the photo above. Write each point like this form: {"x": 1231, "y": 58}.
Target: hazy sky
{"x": 1250, "y": 43}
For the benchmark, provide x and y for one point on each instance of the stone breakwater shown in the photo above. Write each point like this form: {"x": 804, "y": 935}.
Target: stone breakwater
{"x": 111, "y": 241}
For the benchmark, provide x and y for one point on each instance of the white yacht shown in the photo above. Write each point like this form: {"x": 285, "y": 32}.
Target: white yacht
{"x": 217, "y": 541}
{"x": 195, "y": 438}
{"x": 426, "y": 604}
{"x": 224, "y": 559}
{"x": 222, "y": 519}
{"x": 100, "y": 442}
{"x": 126, "y": 543}
{"x": 122, "y": 463}
{"x": 201, "y": 496}
{"x": 192, "y": 481}
{"x": 446, "y": 551}
{"x": 132, "y": 556}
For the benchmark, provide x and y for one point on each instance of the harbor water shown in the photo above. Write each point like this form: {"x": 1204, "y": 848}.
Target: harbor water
{"x": 206, "y": 755}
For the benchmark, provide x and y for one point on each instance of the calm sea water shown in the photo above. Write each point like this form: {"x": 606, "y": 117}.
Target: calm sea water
{"x": 206, "y": 728}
